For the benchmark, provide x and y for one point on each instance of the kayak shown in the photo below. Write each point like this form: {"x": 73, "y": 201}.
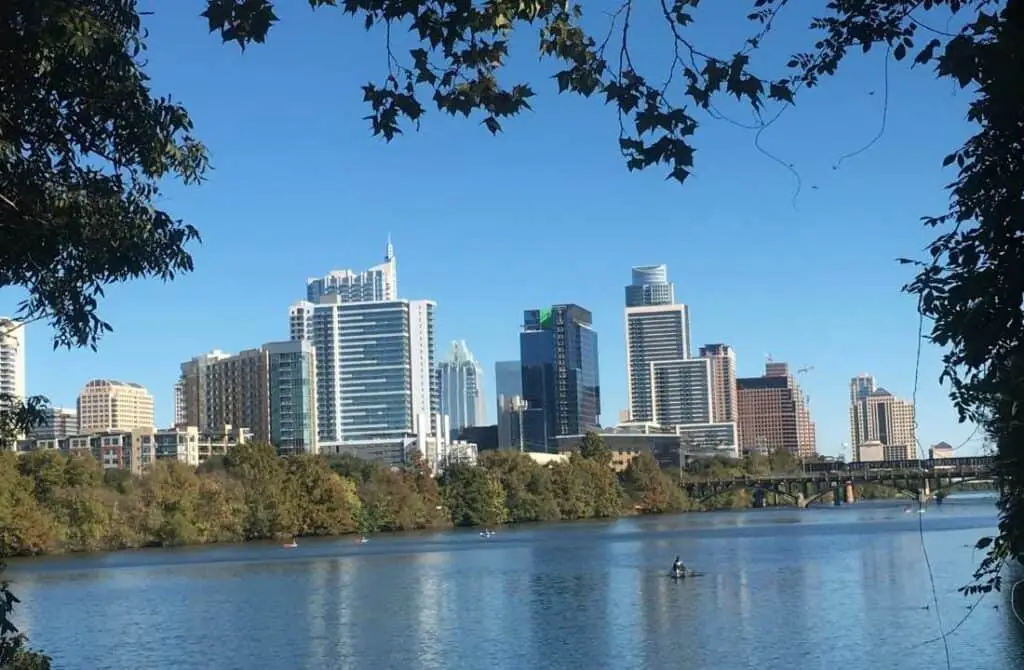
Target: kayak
{"x": 684, "y": 575}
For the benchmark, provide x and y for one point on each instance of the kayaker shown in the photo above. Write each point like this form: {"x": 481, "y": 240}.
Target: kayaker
{"x": 678, "y": 568}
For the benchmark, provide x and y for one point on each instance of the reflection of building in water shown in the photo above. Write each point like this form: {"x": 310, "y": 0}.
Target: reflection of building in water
{"x": 431, "y": 601}
{"x": 317, "y": 610}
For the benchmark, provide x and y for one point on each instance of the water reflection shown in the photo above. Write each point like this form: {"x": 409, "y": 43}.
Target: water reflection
{"x": 836, "y": 588}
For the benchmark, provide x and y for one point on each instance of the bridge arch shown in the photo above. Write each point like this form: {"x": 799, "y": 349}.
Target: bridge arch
{"x": 753, "y": 487}
{"x": 959, "y": 483}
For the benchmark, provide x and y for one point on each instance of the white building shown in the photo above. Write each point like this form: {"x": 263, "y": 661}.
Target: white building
{"x": 12, "y": 358}
{"x": 379, "y": 283}
{"x": 461, "y": 389}
{"x": 374, "y": 367}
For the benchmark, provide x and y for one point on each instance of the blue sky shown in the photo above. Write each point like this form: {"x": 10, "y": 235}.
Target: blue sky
{"x": 545, "y": 213}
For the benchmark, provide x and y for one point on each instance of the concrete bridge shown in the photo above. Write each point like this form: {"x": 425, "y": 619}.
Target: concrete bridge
{"x": 922, "y": 481}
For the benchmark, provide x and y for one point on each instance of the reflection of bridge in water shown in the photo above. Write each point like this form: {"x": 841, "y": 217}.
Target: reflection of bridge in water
{"x": 922, "y": 480}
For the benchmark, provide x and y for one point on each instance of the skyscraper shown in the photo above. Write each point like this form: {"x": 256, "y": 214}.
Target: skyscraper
{"x": 773, "y": 415}
{"x": 657, "y": 332}
{"x": 460, "y": 385}
{"x": 508, "y": 379}
{"x": 880, "y": 417}
{"x": 12, "y": 358}
{"x": 561, "y": 386}
{"x": 681, "y": 392}
{"x": 375, "y": 363}
{"x": 723, "y": 381}
{"x": 508, "y": 390}
{"x": 650, "y": 286}
{"x": 380, "y": 282}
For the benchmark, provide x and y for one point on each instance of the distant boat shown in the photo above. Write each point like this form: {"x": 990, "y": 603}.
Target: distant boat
{"x": 363, "y": 540}
{"x": 291, "y": 545}
{"x": 486, "y": 533}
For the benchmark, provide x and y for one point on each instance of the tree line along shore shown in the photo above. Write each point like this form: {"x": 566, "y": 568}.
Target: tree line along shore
{"x": 51, "y": 502}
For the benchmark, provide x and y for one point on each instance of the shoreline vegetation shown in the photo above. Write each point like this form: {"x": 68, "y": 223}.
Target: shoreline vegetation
{"x": 52, "y": 503}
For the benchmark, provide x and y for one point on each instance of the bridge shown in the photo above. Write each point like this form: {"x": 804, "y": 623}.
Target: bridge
{"x": 921, "y": 480}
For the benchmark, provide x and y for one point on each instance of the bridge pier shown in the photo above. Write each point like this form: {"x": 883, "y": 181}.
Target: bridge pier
{"x": 925, "y": 492}
{"x": 848, "y": 490}
{"x": 801, "y": 500}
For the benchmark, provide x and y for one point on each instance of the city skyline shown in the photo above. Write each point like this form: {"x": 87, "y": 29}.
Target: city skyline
{"x": 649, "y": 290}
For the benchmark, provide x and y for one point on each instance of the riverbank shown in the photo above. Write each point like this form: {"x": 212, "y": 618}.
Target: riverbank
{"x": 53, "y": 503}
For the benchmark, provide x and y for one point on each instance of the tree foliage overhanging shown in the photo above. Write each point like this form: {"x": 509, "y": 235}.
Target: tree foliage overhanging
{"x": 84, "y": 144}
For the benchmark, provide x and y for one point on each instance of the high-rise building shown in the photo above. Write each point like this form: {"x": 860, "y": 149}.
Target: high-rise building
{"x": 561, "y": 385}
{"x": 723, "y": 381}
{"x": 650, "y": 286}
{"x": 108, "y": 405}
{"x": 378, "y": 283}
{"x": 57, "y": 424}
{"x": 270, "y": 390}
{"x": 681, "y": 392}
{"x": 375, "y": 363}
{"x": 877, "y": 416}
{"x": 772, "y": 414}
{"x": 511, "y": 410}
{"x": 12, "y": 358}
{"x": 508, "y": 380}
{"x": 657, "y": 332}
{"x": 461, "y": 390}
{"x": 179, "y": 404}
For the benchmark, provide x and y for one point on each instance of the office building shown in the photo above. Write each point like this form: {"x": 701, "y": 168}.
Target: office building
{"x": 723, "y": 381}
{"x": 270, "y": 390}
{"x": 561, "y": 386}
{"x": 461, "y": 389}
{"x": 375, "y": 371}
{"x": 179, "y": 404}
{"x": 657, "y": 335}
{"x": 12, "y": 358}
{"x": 508, "y": 380}
{"x": 681, "y": 391}
{"x": 109, "y": 405}
{"x": 877, "y": 416}
{"x": 511, "y": 410}
{"x": 379, "y": 283}
{"x": 57, "y": 423}
{"x": 772, "y": 414}
{"x": 650, "y": 286}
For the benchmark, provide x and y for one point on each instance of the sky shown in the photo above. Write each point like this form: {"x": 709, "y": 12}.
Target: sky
{"x": 544, "y": 213}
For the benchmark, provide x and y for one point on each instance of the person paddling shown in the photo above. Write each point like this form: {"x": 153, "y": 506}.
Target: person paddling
{"x": 678, "y": 569}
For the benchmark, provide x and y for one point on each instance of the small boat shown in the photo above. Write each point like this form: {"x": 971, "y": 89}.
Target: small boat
{"x": 363, "y": 540}
{"x": 291, "y": 545}
{"x": 683, "y": 575}
{"x": 487, "y": 533}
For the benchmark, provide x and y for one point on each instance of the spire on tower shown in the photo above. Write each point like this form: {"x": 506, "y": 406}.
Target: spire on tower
{"x": 389, "y": 252}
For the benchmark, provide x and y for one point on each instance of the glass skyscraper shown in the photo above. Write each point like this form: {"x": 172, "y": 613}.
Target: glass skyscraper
{"x": 561, "y": 386}
{"x": 460, "y": 386}
{"x": 375, "y": 364}
{"x": 291, "y": 369}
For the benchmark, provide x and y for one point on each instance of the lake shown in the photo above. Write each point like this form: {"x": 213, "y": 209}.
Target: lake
{"x": 783, "y": 588}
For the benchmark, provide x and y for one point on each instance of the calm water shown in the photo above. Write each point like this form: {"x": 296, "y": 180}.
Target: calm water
{"x": 783, "y": 588}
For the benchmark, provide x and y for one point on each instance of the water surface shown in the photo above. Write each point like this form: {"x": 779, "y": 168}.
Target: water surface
{"x": 785, "y": 588}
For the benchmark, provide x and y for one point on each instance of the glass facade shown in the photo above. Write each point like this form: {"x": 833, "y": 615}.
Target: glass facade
{"x": 292, "y": 373}
{"x": 560, "y": 380}
{"x": 373, "y": 368}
